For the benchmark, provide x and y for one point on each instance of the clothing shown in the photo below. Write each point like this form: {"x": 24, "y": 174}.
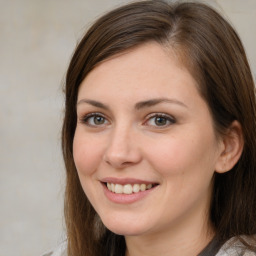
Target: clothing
{"x": 61, "y": 250}
{"x": 233, "y": 247}
{"x": 212, "y": 248}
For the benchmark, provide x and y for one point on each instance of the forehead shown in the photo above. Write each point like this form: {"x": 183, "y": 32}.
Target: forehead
{"x": 148, "y": 67}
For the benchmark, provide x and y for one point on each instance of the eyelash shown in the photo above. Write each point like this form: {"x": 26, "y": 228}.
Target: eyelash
{"x": 167, "y": 118}
{"x": 86, "y": 119}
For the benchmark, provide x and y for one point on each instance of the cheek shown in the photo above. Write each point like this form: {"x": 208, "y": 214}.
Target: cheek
{"x": 183, "y": 155}
{"x": 87, "y": 154}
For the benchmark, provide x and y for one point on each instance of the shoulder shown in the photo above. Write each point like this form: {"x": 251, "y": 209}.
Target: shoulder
{"x": 234, "y": 247}
{"x": 61, "y": 250}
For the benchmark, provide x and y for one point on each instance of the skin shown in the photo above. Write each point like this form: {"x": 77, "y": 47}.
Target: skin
{"x": 181, "y": 156}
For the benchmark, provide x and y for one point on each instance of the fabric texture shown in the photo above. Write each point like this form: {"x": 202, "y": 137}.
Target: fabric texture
{"x": 61, "y": 250}
{"x": 233, "y": 247}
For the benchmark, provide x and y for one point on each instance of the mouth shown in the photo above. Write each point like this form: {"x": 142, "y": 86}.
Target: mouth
{"x": 129, "y": 189}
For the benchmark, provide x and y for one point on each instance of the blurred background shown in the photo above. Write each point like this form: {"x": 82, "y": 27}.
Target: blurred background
{"x": 37, "y": 39}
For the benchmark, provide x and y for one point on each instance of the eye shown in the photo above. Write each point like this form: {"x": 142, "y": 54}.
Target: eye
{"x": 94, "y": 120}
{"x": 160, "y": 120}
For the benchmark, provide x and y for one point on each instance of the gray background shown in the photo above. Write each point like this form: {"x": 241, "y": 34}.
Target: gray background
{"x": 37, "y": 40}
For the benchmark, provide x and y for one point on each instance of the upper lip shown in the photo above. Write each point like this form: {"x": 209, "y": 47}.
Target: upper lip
{"x": 123, "y": 181}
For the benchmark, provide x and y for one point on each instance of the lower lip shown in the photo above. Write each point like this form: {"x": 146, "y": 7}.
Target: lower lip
{"x": 124, "y": 198}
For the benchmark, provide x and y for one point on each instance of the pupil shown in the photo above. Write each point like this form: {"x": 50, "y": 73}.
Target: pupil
{"x": 160, "y": 120}
{"x": 98, "y": 120}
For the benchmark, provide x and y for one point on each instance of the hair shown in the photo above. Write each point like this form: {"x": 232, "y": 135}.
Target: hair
{"x": 212, "y": 52}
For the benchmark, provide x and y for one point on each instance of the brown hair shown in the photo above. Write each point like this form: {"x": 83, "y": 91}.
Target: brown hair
{"x": 213, "y": 53}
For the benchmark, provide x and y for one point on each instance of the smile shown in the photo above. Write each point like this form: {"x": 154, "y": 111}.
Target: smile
{"x": 128, "y": 188}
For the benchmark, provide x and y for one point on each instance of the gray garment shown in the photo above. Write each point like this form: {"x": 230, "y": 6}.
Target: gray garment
{"x": 232, "y": 247}
{"x": 212, "y": 248}
{"x": 61, "y": 250}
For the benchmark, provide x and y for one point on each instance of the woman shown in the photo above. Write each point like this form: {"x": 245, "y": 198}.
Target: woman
{"x": 159, "y": 136}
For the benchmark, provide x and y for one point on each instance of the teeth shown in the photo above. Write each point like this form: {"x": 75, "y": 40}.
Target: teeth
{"x": 136, "y": 188}
{"x": 113, "y": 187}
{"x": 149, "y": 186}
{"x": 128, "y": 188}
{"x": 143, "y": 187}
{"x": 118, "y": 189}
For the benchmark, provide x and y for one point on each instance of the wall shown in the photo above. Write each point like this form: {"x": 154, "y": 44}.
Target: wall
{"x": 37, "y": 40}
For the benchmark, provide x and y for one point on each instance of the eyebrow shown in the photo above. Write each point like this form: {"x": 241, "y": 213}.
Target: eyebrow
{"x": 153, "y": 102}
{"x": 138, "y": 106}
{"x": 93, "y": 103}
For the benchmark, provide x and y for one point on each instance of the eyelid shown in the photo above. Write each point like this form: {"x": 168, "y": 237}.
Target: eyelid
{"x": 84, "y": 119}
{"x": 170, "y": 118}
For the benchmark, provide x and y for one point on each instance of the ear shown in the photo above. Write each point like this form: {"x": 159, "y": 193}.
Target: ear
{"x": 232, "y": 144}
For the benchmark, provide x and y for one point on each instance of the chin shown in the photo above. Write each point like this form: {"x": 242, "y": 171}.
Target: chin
{"x": 124, "y": 228}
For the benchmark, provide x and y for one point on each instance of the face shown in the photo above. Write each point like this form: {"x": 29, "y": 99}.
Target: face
{"x": 144, "y": 146}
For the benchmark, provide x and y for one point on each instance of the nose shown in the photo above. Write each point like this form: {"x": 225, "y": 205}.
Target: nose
{"x": 122, "y": 149}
